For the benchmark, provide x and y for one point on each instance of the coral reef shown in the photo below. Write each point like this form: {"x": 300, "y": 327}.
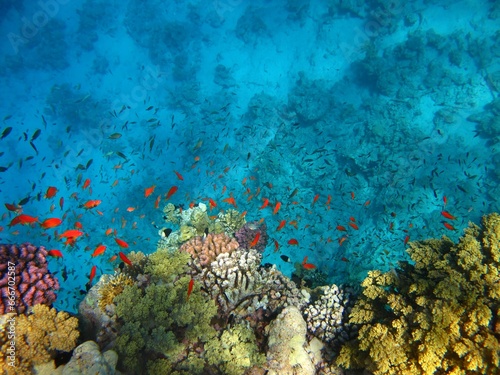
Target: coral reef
{"x": 205, "y": 249}
{"x": 111, "y": 287}
{"x": 230, "y": 220}
{"x": 438, "y": 315}
{"x": 246, "y": 234}
{"x": 87, "y": 359}
{"x": 38, "y": 336}
{"x": 327, "y": 317}
{"x": 33, "y": 283}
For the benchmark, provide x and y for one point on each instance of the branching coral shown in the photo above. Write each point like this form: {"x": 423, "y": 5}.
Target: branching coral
{"x": 38, "y": 337}
{"x": 205, "y": 249}
{"x": 435, "y": 315}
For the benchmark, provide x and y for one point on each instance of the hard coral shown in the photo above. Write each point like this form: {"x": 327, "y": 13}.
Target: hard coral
{"x": 246, "y": 234}
{"x": 38, "y": 337}
{"x": 436, "y": 315}
{"x": 204, "y": 250}
{"x": 33, "y": 284}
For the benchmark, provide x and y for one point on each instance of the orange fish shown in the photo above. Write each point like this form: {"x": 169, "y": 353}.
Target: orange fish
{"x": 211, "y": 203}
{"x": 264, "y": 205}
{"x": 91, "y": 204}
{"x": 255, "y": 240}
{"x": 108, "y": 231}
{"x": 352, "y": 219}
{"x": 448, "y": 226}
{"x": 86, "y": 184}
{"x": 171, "y": 192}
{"x": 121, "y": 243}
{"x": 316, "y": 197}
{"x": 51, "y": 223}
{"x": 115, "y": 183}
{"x": 23, "y": 220}
{"x": 282, "y": 224}
{"x": 353, "y": 225}
{"x": 328, "y": 200}
{"x": 51, "y": 192}
{"x": 230, "y": 200}
{"x": 190, "y": 289}
{"x": 293, "y": 241}
{"x": 148, "y": 191}
{"x": 131, "y": 209}
{"x": 276, "y": 246}
{"x": 407, "y": 238}
{"x": 342, "y": 239}
{"x": 99, "y": 250}
{"x": 179, "y": 176}
{"x": 244, "y": 181}
{"x": 112, "y": 259}
{"x": 341, "y": 228}
{"x": 445, "y": 200}
{"x": 352, "y": 195}
{"x": 92, "y": 274}
{"x": 344, "y": 259}
{"x": 71, "y": 233}
{"x": 367, "y": 203}
{"x": 78, "y": 225}
{"x": 55, "y": 253}
{"x": 307, "y": 266}
{"x": 448, "y": 215}
{"x": 157, "y": 201}
{"x": 277, "y": 208}
{"x": 124, "y": 258}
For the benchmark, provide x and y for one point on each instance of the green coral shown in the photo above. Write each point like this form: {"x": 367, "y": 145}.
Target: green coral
{"x": 160, "y": 321}
{"x": 199, "y": 220}
{"x": 167, "y": 266}
{"x": 230, "y": 220}
{"x": 186, "y": 233}
{"x": 171, "y": 214}
{"x": 433, "y": 316}
{"x": 235, "y": 351}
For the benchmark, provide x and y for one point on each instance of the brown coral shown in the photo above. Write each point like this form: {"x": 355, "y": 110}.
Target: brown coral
{"x": 37, "y": 338}
{"x": 111, "y": 288}
{"x": 206, "y": 249}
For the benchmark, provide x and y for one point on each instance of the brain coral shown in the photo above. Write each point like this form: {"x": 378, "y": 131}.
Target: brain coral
{"x": 438, "y": 315}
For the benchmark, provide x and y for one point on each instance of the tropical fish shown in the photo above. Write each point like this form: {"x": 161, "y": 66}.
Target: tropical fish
{"x": 13, "y": 208}
{"x": 264, "y": 205}
{"x": 230, "y": 200}
{"x": 179, "y": 176}
{"x": 307, "y": 266}
{"x": 445, "y": 200}
{"x": 448, "y": 226}
{"x": 51, "y": 223}
{"x": 99, "y": 250}
{"x": 281, "y": 225}
{"x": 352, "y": 195}
{"x": 293, "y": 241}
{"x": 55, "y": 253}
{"x": 171, "y": 192}
{"x": 190, "y": 289}
{"x": 124, "y": 258}
{"x": 157, "y": 201}
{"x": 61, "y": 202}
{"x": 91, "y": 204}
{"x": 353, "y": 225}
{"x": 285, "y": 258}
{"x": 115, "y": 136}
{"x": 78, "y": 225}
{"x": 23, "y": 220}
{"x": 407, "y": 238}
{"x": 255, "y": 240}
{"x": 211, "y": 203}
{"x": 316, "y": 197}
{"x": 71, "y": 233}
{"x": 448, "y": 215}
{"x": 86, "y": 184}
{"x": 92, "y": 274}
{"x": 121, "y": 243}
{"x": 130, "y": 209}
{"x": 342, "y": 239}
{"x": 276, "y": 208}
{"x": 341, "y": 228}
{"x": 148, "y": 191}
{"x": 6, "y": 132}
{"x": 276, "y": 246}
{"x": 108, "y": 231}
{"x": 51, "y": 192}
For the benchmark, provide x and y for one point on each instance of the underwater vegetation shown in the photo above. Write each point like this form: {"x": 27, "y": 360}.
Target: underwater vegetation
{"x": 439, "y": 313}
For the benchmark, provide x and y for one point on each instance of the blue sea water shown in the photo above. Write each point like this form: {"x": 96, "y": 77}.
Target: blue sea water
{"x": 360, "y": 116}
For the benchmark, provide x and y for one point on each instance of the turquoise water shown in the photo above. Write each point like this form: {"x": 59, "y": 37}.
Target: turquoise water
{"x": 357, "y": 118}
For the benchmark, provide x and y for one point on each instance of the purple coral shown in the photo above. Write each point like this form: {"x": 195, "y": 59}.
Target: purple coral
{"x": 30, "y": 283}
{"x": 246, "y": 234}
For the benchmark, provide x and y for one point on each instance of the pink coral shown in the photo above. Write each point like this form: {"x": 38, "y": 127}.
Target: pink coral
{"x": 206, "y": 249}
{"x": 29, "y": 281}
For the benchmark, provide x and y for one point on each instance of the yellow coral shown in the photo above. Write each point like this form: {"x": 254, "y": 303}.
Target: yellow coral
{"x": 38, "y": 337}
{"x": 111, "y": 287}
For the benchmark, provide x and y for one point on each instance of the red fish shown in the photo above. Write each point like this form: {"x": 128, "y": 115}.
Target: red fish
{"x": 55, "y": 253}
{"x": 71, "y": 233}
{"x": 108, "y": 231}
{"x": 91, "y": 204}
{"x": 78, "y": 225}
{"x": 293, "y": 241}
{"x": 307, "y": 266}
{"x": 277, "y": 208}
{"x": 445, "y": 200}
{"x": 211, "y": 203}
{"x": 148, "y": 191}
{"x": 99, "y": 250}
{"x": 124, "y": 258}
{"x": 157, "y": 201}
{"x": 121, "y": 243}
{"x": 13, "y": 208}
{"x": 179, "y": 176}
{"x": 86, "y": 184}
{"x": 61, "y": 202}
{"x": 190, "y": 289}
{"x": 171, "y": 192}
{"x": 51, "y": 223}
{"x": 352, "y": 195}
{"x": 316, "y": 197}
{"x": 448, "y": 226}
{"x": 354, "y": 226}
{"x": 367, "y": 203}
{"x": 264, "y": 205}
{"x": 255, "y": 240}
{"x": 23, "y": 219}
{"x": 407, "y": 238}
{"x": 92, "y": 274}
{"x": 328, "y": 200}
{"x": 341, "y": 228}
{"x": 230, "y": 200}
{"x": 276, "y": 246}
{"x": 282, "y": 224}
{"x": 352, "y": 219}
{"x": 448, "y": 215}
{"x": 51, "y": 192}
{"x": 344, "y": 259}
{"x": 342, "y": 239}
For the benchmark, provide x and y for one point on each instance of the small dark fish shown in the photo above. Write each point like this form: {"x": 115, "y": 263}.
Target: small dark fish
{"x": 23, "y": 201}
{"x": 167, "y": 232}
{"x": 6, "y": 132}
{"x": 36, "y": 134}
{"x": 149, "y": 108}
{"x": 115, "y": 136}
{"x": 89, "y": 163}
{"x": 34, "y": 147}
{"x": 7, "y": 117}
{"x": 3, "y": 169}
{"x": 461, "y": 189}
{"x": 151, "y": 144}
{"x": 80, "y": 166}
{"x": 44, "y": 121}
{"x": 120, "y": 154}
{"x": 285, "y": 258}
{"x": 248, "y": 156}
